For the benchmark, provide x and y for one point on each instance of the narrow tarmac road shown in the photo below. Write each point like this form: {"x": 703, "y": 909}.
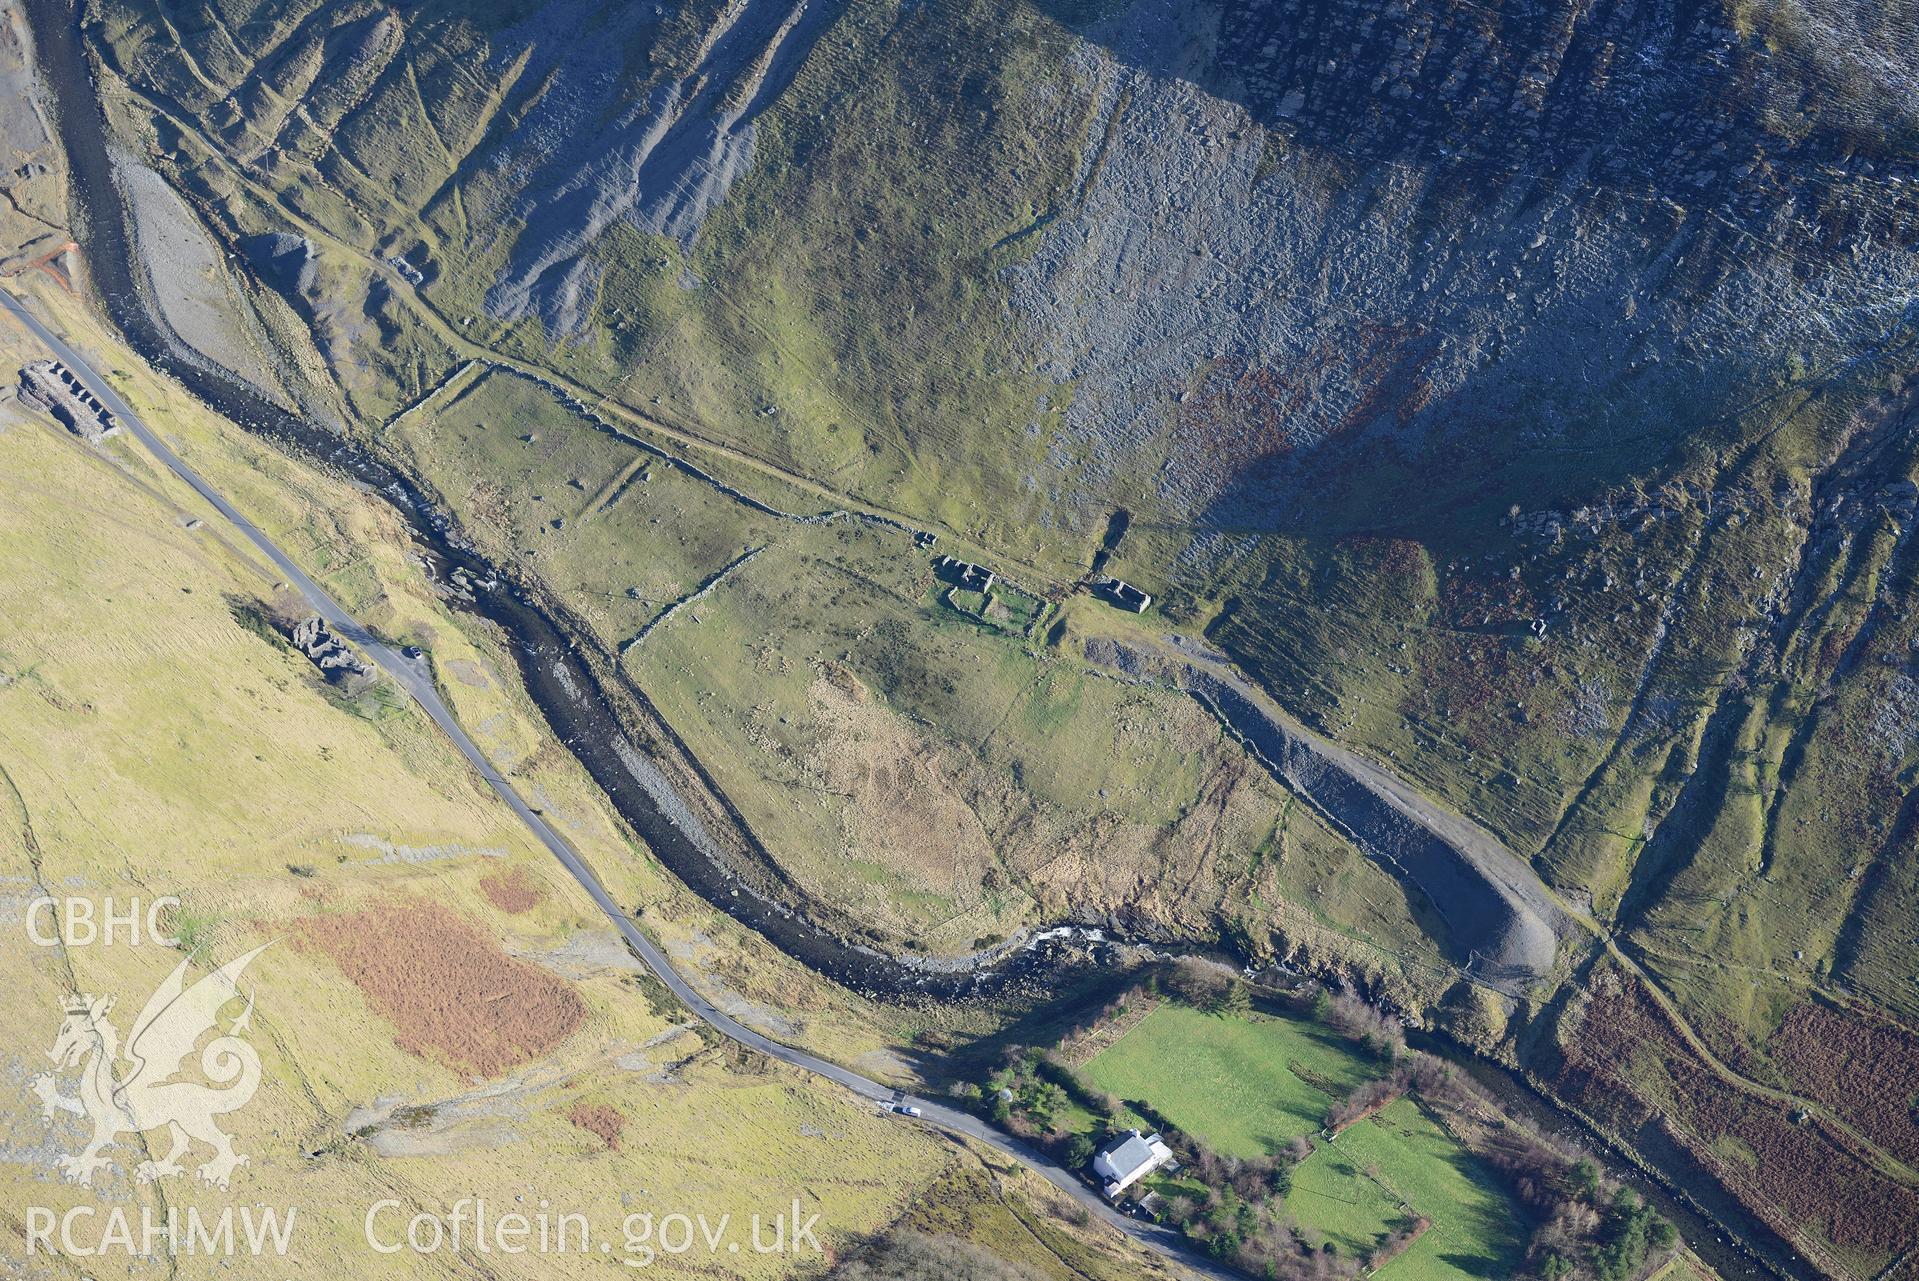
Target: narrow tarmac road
{"x": 415, "y": 677}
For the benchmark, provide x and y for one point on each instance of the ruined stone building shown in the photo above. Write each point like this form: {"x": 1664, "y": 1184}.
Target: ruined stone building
{"x": 51, "y": 386}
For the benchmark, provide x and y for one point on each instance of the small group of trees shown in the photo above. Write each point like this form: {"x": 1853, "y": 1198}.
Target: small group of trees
{"x": 1378, "y": 1032}
{"x": 1255, "y": 1235}
{"x": 1368, "y": 1097}
{"x": 1032, "y": 1087}
{"x": 1206, "y": 986}
{"x": 1591, "y": 1228}
{"x": 1429, "y": 1077}
{"x": 1138, "y": 997}
{"x": 1253, "y": 1178}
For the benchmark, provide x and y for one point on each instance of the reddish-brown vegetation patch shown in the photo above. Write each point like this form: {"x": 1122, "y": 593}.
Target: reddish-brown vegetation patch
{"x": 1392, "y": 376}
{"x": 450, "y": 991}
{"x": 599, "y": 1119}
{"x": 1625, "y": 1064}
{"x": 513, "y": 891}
{"x": 1867, "y": 1073}
{"x": 1471, "y": 602}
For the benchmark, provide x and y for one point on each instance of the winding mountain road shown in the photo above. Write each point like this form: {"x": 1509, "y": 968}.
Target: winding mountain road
{"x": 415, "y": 677}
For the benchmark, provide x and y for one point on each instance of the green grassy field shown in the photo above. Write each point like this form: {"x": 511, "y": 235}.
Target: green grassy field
{"x": 1333, "y": 1200}
{"x": 1243, "y": 1088}
{"x": 1476, "y": 1229}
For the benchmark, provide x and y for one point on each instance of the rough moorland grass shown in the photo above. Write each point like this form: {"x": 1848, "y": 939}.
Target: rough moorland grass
{"x": 1013, "y": 1213}
{"x": 892, "y": 751}
{"x": 618, "y": 533}
{"x": 1242, "y": 1087}
{"x": 832, "y": 314}
{"x": 872, "y": 322}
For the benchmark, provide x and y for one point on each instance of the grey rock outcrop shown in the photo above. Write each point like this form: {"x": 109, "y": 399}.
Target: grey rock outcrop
{"x": 1313, "y": 242}
{"x": 336, "y": 660}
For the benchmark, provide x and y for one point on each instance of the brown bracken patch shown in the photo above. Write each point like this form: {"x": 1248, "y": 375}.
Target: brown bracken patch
{"x": 599, "y": 1119}
{"x": 513, "y": 891}
{"x": 1626, "y": 1065}
{"x": 1866, "y": 1071}
{"x": 453, "y": 994}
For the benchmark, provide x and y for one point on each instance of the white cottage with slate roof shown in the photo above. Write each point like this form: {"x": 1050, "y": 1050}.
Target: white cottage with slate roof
{"x": 1127, "y": 1158}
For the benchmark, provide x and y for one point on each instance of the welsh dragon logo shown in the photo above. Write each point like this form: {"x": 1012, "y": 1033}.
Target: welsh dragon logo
{"x": 147, "y": 1097}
